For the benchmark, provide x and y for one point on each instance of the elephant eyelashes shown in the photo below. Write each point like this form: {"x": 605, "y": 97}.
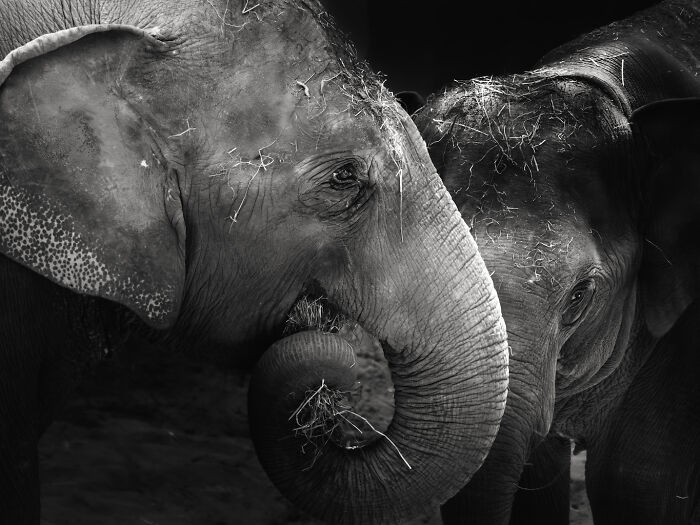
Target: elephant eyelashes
{"x": 579, "y": 300}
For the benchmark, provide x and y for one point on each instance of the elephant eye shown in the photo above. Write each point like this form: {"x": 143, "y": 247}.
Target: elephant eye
{"x": 579, "y": 299}
{"x": 344, "y": 177}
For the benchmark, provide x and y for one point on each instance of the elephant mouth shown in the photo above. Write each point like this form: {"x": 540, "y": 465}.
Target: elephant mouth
{"x": 315, "y": 312}
{"x": 364, "y": 413}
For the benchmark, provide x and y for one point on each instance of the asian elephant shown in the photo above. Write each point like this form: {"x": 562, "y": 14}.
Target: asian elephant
{"x": 587, "y": 228}
{"x": 191, "y": 169}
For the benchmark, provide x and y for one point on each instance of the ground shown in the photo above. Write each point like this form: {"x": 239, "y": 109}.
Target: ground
{"x": 155, "y": 438}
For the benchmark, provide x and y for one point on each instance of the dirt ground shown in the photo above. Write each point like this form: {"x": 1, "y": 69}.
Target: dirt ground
{"x": 157, "y": 438}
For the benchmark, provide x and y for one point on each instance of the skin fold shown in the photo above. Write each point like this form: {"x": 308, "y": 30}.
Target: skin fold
{"x": 191, "y": 169}
{"x": 581, "y": 211}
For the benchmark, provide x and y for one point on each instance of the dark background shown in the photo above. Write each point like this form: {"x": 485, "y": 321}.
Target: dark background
{"x": 422, "y": 46}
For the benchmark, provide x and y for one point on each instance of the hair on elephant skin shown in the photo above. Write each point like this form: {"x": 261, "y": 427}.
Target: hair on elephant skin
{"x": 578, "y": 180}
{"x": 194, "y": 169}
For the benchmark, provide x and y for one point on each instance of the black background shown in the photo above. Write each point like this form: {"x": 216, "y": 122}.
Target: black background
{"x": 422, "y": 46}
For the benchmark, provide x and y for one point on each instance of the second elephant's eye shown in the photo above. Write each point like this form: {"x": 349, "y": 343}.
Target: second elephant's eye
{"x": 579, "y": 299}
{"x": 344, "y": 177}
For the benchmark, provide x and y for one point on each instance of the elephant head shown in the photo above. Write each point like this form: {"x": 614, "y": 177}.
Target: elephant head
{"x": 207, "y": 164}
{"x": 583, "y": 230}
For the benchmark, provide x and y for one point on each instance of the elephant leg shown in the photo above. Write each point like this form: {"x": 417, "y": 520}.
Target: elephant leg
{"x": 20, "y": 363}
{"x": 40, "y": 360}
{"x": 488, "y": 497}
{"x": 19, "y": 477}
{"x": 543, "y": 490}
{"x": 19, "y": 473}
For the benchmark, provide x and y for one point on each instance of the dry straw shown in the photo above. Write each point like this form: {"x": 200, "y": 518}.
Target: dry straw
{"x": 325, "y": 413}
{"x": 313, "y": 314}
{"x": 325, "y": 416}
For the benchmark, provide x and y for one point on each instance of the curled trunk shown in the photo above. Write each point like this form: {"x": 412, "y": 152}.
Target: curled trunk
{"x": 446, "y": 350}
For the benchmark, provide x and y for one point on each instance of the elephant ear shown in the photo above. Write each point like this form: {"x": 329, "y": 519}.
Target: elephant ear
{"x": 670, "y": 273}
{"x": 86, "y": 195}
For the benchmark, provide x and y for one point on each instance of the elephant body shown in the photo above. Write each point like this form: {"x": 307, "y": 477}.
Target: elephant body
{"x": 576, "y": 179}
{"x": 192, "y": 170}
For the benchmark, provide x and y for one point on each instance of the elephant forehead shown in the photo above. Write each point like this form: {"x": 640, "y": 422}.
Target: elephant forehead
{"x": 304, "y": 106}
{"x": 534, "y": 249}
{"x": 490, "y": 189}
{"x": 521, "y": 163}
{"x": 294, "y": 128}
{"x": 243, "y": 59}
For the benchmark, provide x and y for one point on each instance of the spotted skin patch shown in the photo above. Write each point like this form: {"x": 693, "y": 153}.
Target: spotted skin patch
{"x": 38, "y": 236}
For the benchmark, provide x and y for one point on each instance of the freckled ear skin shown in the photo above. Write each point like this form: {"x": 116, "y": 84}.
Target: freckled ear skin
{"x": 86, "y": 198}
{"x": 670, "y": 273}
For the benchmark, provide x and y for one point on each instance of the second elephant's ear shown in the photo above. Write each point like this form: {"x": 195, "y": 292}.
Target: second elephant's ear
{"x": 87, "y": 197}
{"x": 670, "y": 273}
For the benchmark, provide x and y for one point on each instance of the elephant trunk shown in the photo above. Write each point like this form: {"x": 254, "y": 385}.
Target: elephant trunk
{"x": 489, "y": 496}
{"x": 436, "y": 312}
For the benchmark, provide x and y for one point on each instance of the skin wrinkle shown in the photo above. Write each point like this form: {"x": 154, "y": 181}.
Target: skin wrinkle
{"x": 620, "y": 348}
{"x": 440, "y": 293}
{"x": 443, "y": 294}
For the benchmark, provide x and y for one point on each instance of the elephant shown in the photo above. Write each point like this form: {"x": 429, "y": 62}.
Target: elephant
{"x": 192, "y": 170}
{"x": 585, "y": 224}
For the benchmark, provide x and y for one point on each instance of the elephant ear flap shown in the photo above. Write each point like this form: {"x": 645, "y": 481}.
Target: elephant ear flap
{"x": 86, "y": 195}
{"x": 670, "y": 272}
